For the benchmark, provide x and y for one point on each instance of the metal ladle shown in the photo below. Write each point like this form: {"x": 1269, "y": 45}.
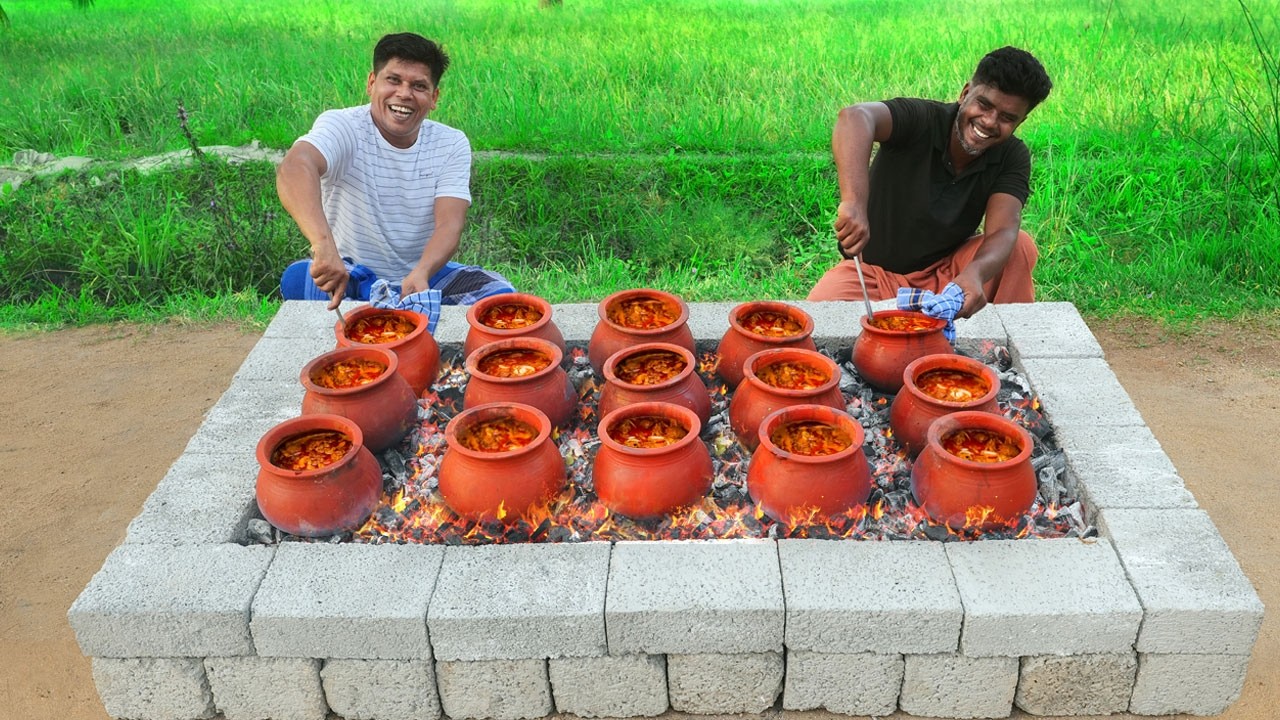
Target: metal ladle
{"x": 862, "y": 281}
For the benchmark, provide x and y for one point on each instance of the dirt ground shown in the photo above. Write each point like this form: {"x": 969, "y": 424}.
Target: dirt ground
{"x": 94, "y": 417}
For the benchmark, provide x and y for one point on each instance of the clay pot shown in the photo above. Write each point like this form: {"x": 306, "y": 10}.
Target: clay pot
{"x": 755, "y": 399}
{"x": 549, "y": 389}
{"x": 959, "y": 492}
{"x": 740, "y": 343}
{"x": 880, "y": 356}
{"x": 609, "y": 336}
{"x": 385, "y": 409}
{"x": 793, "y": 487}
{"x": 913, "y": 410}
{"x": 324, "y": 501}
{"x": 503, "y": 485}
{"x": 482, "y": 334}
{"x": 418, "y": 352}
{"x": 684, "y": 388}
{"x": 651, "y": 482}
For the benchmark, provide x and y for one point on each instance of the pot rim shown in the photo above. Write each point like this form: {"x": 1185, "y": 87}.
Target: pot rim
{"x": 857, "y": 434}
{"x": 483, "y": 304}
{"x": 938, "y": 323}
{"x": 420, "y": 322}
{"x": 611, "y": 376}
{"x": 487, "y": 411}
{"x": 602, "y": 310}
{"x": 358, "y": 350}
{"x": 665, "y": 409}
{"x": 743, "y": 309}
{"x": 294, "y": 426}
{"x": 547, "y": 347}
{"x": 790, "y": 353}
{"x": 978, "y": 420}
{"x": 940, "y": 361}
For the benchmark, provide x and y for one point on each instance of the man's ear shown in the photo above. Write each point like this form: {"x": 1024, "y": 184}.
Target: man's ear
{"x": 964, "y": 91}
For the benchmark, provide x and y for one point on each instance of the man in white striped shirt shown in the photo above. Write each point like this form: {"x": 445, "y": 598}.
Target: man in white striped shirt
{"x": 385, "y": 188}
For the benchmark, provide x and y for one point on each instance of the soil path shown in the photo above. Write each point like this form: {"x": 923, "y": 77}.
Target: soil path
{"x": 94, "y": 417}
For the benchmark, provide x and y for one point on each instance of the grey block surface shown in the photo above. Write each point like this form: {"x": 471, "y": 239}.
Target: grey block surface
{"x": 510, "y": 602}
{"x": 170, "y": 601}
{"x": 1124, "y": 467}
{"x": 1076, "y": 684}
{"x": 278, "y": 359}
{"x": 955, "y": 686}
{"x": 852, "y": 684}
{"x": 856, "y": 597}
{"x": 1041, "y": 597}
{"x": 153, "y": 688}
{"x": 616, "y": 686}
{"x": 1080, "y": 392}
{"x": 1047, "y": 330}
{"x": 1195, "y": 684}
{"x": 346, "y": 601}
{"x": 1194, "y": 595}
{"x": 243, "y": 415}
{"x": 254, "y": 688}
{"x": 715, "y": 683}
{"x": 381, "y": 689}
{"x": 694, "y": 597}
{"x": 203, "y": 499}
{"x": 494, "y": 689}
{"x": 307, "y": 320}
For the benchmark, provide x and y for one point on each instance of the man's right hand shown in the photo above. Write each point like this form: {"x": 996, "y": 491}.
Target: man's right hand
{"x": 852, "y": 230}
{"x": 330, "y": 275}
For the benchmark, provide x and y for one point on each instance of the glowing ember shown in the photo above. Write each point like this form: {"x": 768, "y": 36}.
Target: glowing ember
{"x": 311, "y": 451}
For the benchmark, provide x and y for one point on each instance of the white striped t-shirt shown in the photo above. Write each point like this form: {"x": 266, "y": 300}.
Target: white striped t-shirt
{"x": 380, "y": 199}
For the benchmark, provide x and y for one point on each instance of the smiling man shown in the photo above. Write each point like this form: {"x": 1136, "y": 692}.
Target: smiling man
{"x": 384, "y": 187}
{"x": 942, "y": 171}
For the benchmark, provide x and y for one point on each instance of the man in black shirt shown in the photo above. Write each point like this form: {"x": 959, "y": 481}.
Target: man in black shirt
{"x": 942, "y": 170}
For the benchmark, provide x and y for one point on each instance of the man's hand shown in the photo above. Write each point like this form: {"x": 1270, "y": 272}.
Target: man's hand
{"x": 975, "y": 298}
{"x": 852, "y": 230}
{"x": 415, "y": 281}
{"x": 330, "y": 275}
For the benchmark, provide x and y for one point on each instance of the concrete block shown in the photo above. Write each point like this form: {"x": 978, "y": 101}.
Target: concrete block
{"x": 710, "y": 321}
{"x": 203, "y": 499}
{"x": 170, "y": 601}
{"x": 612, "y": 686}
{"x": 856, "y": 597}
{"x": 255, "y": 688}
{"x": 1195, "y": 598}
{"x": 246, "y": 411}
{"x": 1080, "y": 391}
{"x": 576, "y": 321}
{"x": 1047, "y": 330}
{"x": 494, "y": 689}
{"x": 1192, "y": 684}
{"x": 381, "y": 689}
{"x": 957, "y": 686}
{"x": 1076, "y": 684}
{"x": 308, "y": 320}
{"x": 277, "y": 359}
{"x": 694, "y": 597}
{"x": 715, "y": 684}
{"x": 849, "y": 684}
{"x": 977, "y": 334}
{"x": 153, "y": 688}
{"x": 1123, "y": 467}
{"x": 1043, "y": 597}
{"x": 346, "y": 601}
{"x": 512, "y": 602}
{"x": 836, "y": 323}
{"x": 452, "y": 327}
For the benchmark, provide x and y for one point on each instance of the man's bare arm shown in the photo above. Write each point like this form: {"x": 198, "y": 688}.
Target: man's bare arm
{"x": 451, "y": 218}
{"x": 298, "y": 185}
{"x": 1000, "y": 235}
{"x": 857, "y": 128}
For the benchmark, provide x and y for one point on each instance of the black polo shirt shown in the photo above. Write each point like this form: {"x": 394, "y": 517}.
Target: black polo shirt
{"x": 918, "y": 209}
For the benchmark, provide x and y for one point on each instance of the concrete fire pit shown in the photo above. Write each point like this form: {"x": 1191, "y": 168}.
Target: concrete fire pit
{"x": 189, "y": 618}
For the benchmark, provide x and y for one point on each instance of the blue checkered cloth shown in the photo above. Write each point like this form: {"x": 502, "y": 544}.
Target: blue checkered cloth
{"x": 384, "y": 295}
{"x": 943, "y": 305}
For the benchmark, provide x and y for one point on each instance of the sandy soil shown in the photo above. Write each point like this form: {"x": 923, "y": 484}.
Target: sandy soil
{"x": 93, "y": 424}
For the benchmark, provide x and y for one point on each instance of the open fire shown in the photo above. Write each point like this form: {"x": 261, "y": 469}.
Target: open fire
{"x": 412, "y": 511}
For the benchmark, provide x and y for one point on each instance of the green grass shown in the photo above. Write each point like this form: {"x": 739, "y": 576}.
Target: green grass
{"x": 678, "y": 144}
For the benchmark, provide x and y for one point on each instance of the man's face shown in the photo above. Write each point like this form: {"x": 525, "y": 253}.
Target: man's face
{"x": 987, "y": 117}
{"x": 401, "y": 95}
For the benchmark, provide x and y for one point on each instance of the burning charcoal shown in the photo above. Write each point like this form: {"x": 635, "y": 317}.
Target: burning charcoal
{"x": 559, "y": 534}
{"x": 1090, "y": 532}
{"x": 939, "y": 533}
{"x": 260, "y": 531}
{"x": 848, "y": 380}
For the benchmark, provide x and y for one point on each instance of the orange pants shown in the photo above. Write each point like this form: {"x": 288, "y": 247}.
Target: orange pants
{"x": 1012, "y": 285}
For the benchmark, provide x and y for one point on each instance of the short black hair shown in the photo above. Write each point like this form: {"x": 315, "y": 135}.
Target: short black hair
{"x": 411, "y": 47}
{"x": 1014, "y": 72}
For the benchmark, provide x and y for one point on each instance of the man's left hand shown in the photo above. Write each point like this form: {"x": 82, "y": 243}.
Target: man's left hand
{"x": 975, "y": 298}
{"x": 415, "y": 282}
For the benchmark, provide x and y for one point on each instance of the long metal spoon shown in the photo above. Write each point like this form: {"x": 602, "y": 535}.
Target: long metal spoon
{"x": 342, "y": 319}
{"x": 862, "y": 281}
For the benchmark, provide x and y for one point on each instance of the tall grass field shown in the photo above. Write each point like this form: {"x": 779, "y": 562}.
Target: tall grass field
{"x": 621, "y": 143}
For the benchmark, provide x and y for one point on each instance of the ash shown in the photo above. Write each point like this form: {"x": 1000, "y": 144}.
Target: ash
{"x": 412, "y": 510}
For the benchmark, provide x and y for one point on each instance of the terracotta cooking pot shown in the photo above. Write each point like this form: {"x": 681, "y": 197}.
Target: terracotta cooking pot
{"x": 503, "y": 317}
{"x": 386, "y": 408}
{"x": 794, "y": 486}
{"x": 610, "y": 335}
{"x": 914, "y": 410}
{"x": 649, "y": 482}
{"x": 683, "y": 388}
{"x": 750, "y": 332}
{"x": 755, "y": 399}
{"x": 547, "y": 389}
{"x": 960, "y": 492}
{"x": 323, "y": 501}
{"x": 881, "y": 355}
{"x": 417, "y": 351}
